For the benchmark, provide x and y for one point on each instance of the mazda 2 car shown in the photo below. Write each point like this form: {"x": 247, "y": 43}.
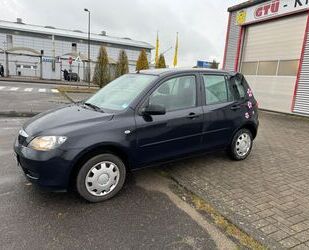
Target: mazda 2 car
{"x": 137, "y": 120}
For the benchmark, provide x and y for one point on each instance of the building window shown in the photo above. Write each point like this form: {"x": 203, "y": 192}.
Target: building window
{"x": 9, "y": 41}
{"x": 267, "y": 68}
{"x": 249, "y": 68}
{"x": 271, "y": 68}
{"x": 288, "y": 68}
{"x": 74, "y": 47}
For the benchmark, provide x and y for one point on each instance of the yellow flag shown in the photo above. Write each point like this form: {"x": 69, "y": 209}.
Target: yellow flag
{"x": 157, "y": 49}
{"x": 176, "y": 52}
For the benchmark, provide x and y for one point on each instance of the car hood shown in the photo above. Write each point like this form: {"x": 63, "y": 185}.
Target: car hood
{"x": 64, "y": 120}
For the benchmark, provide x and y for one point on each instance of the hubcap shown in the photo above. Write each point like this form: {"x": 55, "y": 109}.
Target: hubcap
{"x": 243, "y": 144}
{"x": 102, "y": 178}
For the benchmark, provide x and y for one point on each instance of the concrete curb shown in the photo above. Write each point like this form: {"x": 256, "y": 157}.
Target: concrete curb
{"x": 18, "y": 114}
{"x": 295, "y": 115}
{"x": 65, "y": 95}
{"x": 238, "y": 221}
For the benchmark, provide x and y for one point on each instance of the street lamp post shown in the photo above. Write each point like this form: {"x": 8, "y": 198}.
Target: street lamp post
{"x": 89, "y": 73}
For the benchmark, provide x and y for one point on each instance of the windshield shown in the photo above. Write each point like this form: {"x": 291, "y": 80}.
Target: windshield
{"x": 118, "y": 94}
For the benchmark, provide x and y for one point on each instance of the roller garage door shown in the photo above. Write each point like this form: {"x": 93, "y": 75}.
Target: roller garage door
{"x": 302, "y": 92}
{"x": 270, "y": 59}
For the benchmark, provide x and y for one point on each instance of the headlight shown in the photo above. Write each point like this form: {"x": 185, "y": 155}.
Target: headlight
{"x": 46, "y": 143}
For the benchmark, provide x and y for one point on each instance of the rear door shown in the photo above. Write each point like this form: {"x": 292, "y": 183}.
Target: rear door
{"x": 179, "y": 131}
{"x": 223, "y": 110}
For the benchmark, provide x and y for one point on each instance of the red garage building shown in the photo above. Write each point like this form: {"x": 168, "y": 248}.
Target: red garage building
{"x": 268, "y": 42}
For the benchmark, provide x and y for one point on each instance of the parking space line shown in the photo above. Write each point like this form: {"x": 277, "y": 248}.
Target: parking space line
{"x": 55, "y": 90}
{"x": 28, "y": 89}
{"x": 42, "y": 90}
{"x": 14, "y": 89}
{"x": 2, "y": 87}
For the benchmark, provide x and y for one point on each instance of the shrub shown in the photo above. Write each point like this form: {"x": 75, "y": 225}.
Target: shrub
{"x": 161, "y": 62}
{"x": 101, "y": 75}
{"x": 142, "y": 61}
{"x": 122, "y": 64}
{"x": 214, "y": 65}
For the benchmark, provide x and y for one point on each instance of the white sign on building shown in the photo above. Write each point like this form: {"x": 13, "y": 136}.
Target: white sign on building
{"x": 270, "y": 9}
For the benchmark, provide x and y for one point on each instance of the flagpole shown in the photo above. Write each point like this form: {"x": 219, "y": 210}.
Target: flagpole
{"x": 157, "y": 49}
{"x": 175, "y": 62}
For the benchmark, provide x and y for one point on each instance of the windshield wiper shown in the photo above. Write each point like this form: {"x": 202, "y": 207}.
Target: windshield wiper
{"x": 94, "y": 107}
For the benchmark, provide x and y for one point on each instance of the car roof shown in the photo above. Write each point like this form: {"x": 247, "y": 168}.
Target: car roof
{"x": 172, "y": 71}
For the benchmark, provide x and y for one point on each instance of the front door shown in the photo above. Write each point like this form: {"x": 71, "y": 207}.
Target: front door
{"x": 179, "y": 131}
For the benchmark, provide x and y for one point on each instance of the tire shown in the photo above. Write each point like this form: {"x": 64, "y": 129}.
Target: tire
{"x": 101, "y": 178}
{"x": 241, "y": 145}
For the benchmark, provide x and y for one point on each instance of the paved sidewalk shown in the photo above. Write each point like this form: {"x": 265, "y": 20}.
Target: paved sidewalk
{"x": 266, "y": 195}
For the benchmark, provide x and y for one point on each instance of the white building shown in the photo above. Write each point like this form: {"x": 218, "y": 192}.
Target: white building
{"x": 268, "y": 42}
{"x": 42, "y": 52}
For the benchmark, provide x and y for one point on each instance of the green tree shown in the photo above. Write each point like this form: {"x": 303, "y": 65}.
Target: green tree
{"x": 101, "y": 75}
{"x": 122, "y": 64}
{"x": 142, "y": 61}
{"x": 161, "y": 62}
{"x": 214, "y": 65}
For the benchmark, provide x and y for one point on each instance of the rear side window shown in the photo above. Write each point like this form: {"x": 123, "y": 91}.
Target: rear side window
{"x": 217, "y": 90}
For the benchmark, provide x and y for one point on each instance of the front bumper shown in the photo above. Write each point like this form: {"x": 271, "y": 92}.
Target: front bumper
{"x": 49, "y": 170}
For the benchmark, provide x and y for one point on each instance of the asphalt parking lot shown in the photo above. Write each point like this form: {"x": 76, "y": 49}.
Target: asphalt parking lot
{"x": 26, "y": 98}
{"x": 145, "y": 215}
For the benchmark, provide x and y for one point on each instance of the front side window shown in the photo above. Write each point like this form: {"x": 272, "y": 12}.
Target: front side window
{"x": 118, "y": 94}
{"x": 217, "y": 90}
{"x": 175, "y": 94}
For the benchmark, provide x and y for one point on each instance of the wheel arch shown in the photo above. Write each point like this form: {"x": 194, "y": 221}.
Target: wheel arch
{"x": 251, "y": 127}
{"x": 92, "y": 151}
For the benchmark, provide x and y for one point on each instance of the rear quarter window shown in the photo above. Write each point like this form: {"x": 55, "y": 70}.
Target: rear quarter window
{"x": 238, "y": 83}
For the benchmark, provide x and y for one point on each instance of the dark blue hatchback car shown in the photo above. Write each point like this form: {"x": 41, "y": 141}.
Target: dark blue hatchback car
{"x": 138, "y": 120}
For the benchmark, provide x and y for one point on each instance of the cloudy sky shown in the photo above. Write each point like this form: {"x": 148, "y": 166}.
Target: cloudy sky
{"x": 201, "y": 23}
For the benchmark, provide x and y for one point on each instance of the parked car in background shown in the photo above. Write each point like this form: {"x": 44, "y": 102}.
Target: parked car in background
{"x": 138, "y": 120}
{"x": 73, "y": 77}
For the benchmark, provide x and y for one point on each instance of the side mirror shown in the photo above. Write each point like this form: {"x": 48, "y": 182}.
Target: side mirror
{"x": 153, "y": 109}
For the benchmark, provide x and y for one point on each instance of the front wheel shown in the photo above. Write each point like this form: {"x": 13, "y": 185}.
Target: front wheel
{"x": 241, "y": 145}
{"x": 101, "y": 178}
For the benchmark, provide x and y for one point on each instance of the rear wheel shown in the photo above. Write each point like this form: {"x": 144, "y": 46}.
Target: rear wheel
{"x": 101, "y": 178}
{"x": 241, "y": 145}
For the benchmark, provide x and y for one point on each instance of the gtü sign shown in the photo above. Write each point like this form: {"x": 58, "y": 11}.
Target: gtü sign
{"x": 267, "y": 9}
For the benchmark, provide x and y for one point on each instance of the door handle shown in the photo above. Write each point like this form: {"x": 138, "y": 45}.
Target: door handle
{"x": 193, "y": 116}
{"x": 235, "y": 107}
